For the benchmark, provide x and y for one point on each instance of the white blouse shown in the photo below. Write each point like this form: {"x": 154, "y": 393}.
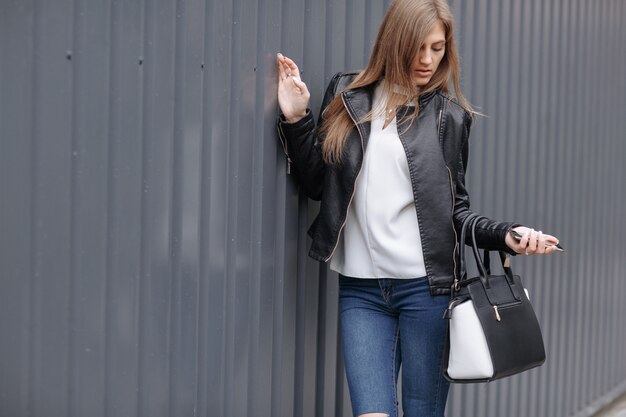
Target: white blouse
{"x": 381, "y": 237}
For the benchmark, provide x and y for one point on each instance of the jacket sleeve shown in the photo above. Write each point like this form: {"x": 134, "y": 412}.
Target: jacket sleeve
{"x": 489, "y": 233}
{"x": 303, "y": 146}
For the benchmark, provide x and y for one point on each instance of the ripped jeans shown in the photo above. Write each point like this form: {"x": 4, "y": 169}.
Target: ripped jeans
{"x": 386, "y": 323}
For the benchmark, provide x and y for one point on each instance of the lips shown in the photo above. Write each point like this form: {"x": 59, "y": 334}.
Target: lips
{"x": 423, "y": 73}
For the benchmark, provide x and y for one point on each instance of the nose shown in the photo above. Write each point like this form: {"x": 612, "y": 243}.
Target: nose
{"x": 426, "y": 58}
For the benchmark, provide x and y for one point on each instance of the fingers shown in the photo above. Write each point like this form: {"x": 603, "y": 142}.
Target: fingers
{"x": 550, "y": 249}
{"x": 525, "y": 239}
{"x": 532, "y": 241}
{"x": 282, "y": 67}
{"x": 292, "y": 67}
{"x": 553, "y": 240}
{"x": 287, "y": 68}
{"x": 541, "y": 243}
{"x": 535, "y": 242}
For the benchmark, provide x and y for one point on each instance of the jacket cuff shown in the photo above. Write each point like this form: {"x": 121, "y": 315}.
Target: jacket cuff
{"x": 504, "y": 232}
{"x": 298, "y": 128}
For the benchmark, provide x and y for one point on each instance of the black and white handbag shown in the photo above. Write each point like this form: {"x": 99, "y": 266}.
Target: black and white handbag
{"x": 493, "y": 331}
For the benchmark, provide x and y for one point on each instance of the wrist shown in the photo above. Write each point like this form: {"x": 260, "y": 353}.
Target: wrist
{"x": 295, "y": 118}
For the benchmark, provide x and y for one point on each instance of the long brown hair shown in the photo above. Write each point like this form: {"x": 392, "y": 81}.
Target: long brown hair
{"x": 400, "y": 37}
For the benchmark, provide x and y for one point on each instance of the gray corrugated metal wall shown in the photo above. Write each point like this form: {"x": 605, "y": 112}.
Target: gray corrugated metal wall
{"x": 153, "y": 251}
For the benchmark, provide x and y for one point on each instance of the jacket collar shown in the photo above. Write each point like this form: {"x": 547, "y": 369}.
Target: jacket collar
{"x": 359, "y": 102}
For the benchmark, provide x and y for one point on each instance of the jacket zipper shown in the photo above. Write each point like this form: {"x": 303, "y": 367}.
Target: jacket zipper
{"x": 283, "y": 140}
{"x": 345, "y": 218}
{"x": 456, "y": 238}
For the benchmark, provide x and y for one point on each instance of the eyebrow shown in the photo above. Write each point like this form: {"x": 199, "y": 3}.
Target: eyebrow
{"x": 443, "y": 41}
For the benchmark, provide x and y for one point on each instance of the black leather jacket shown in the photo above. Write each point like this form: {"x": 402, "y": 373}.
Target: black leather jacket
{"x": 436, "y": 146}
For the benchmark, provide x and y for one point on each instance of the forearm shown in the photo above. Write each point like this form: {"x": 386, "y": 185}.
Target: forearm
{"x": 303, "y": 151}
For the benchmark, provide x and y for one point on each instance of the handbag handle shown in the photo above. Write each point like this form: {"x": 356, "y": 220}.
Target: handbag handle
{"x": 484, "y": 271}
{"x": 483, "y": 267}
{"x": 487, "y": 262}
{"x": 466, "y": 223}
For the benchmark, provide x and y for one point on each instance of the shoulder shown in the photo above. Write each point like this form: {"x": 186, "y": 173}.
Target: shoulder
{"x": 338, "y": 83}
{"x": 341, "y": 80}
{"x": 454, "y": 109}
{"x": 453, "y": 105}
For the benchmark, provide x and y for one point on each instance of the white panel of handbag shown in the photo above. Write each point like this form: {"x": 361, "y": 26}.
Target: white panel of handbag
{"x": 474, "y": 360}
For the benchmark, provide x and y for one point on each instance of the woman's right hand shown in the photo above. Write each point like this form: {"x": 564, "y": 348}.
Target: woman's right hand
{"x": 293, "y": 95}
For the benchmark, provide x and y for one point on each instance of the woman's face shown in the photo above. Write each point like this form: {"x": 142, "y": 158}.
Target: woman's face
{"x": 427, "y": 60}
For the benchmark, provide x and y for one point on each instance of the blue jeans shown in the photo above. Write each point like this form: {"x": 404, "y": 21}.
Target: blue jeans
{"x": 386, "y": 323}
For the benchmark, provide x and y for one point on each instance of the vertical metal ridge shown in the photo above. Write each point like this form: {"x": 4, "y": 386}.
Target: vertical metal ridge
{"x": 141, "y": 133}
{"x": 296, "y": 311}
{"x": 204, "y": 346}
{"x": 613, "y": 149}
{"x": 562, "y": 128}
{"x": 33, "y": 266}
{"x": 584, "y": 303}
{"x": 367, "y": 30}
{"x": 71, "y": 353}
{"x": 490, "y": 45}
{"x": 144, "y": 274}
{"x": 348, "y": 39}
{"x": 169, "y": 198}
{"x": 327, "y": 29}
{"x": 17, "y": 244}
{"x": 541, "y": 185}
{"x": 622, "y": 29}
{"x": 586, "y": 289}
{"x": 256, "y": 402}
{"x": 573, "y": 398}
{"x": 220, "y": 279}
{"x": 175, "y": 216}
{"x": 110, "y": 214}
{"x": 232, "y": 210}
{"x": 569, "y": 310}
{"x": 204, "y": 207}
{"x": 603, "y": 369}
{"x": 617, "y": 339}
{"x": 554, "y": 91}
{"x": 170, "y": 194}
{"x": 281, "y": 258}
{"x": 599, "y": 250}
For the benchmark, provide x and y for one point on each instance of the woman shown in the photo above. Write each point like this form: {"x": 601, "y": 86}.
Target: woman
{"x": 388, "y": 161}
